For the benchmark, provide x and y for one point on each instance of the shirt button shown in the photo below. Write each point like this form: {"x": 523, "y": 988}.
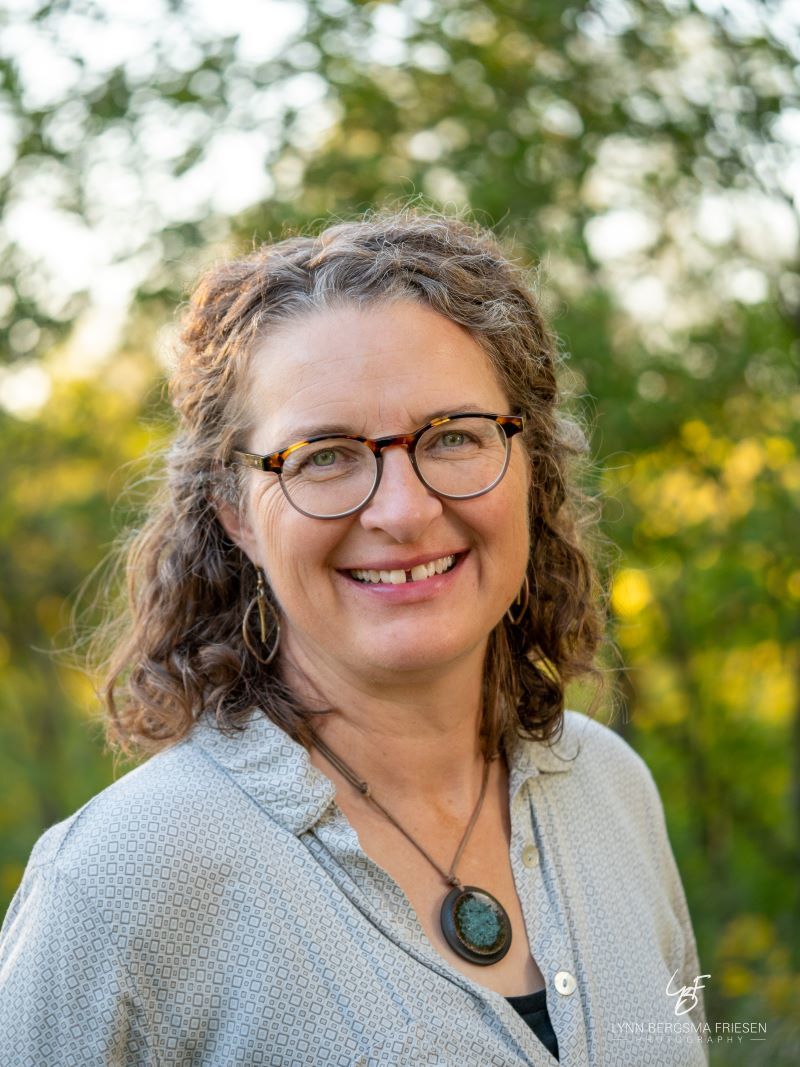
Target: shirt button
{"x": 565, "y": 983}
{"x": 530, "y": 856}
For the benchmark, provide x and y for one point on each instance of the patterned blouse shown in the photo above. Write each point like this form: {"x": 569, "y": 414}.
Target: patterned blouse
{"x": 214, "y": 908}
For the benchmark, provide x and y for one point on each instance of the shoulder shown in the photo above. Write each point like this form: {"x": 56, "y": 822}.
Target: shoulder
{"x": 134, "y": 808}
{"x": 598, "y": 749}
{"x": 175, "y": 820}
{"x": 603, "y": 775}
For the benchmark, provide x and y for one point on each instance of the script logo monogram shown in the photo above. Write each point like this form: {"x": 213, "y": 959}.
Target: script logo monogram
{"x": 687, "y": 994}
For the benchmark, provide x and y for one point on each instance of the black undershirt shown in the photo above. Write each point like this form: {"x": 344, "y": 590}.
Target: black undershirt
{"x": 533, "y": 1010}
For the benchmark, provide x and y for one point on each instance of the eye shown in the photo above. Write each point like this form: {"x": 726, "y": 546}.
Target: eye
{"x": 326, "y": 457}
{"x": 452, "y": 441}
{"x": 452, "y": 438}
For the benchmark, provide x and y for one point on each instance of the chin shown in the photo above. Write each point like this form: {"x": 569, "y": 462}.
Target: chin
{"x": 414, "y": 655}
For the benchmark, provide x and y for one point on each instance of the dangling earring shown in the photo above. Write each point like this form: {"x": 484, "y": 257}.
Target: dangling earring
{"x": 263, "y": 606}
{"x": 522, "y": 601}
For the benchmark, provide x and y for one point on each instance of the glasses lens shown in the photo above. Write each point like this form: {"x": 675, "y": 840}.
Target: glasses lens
{"x": 329, "y": 477}
{"x": 462, "y": 457}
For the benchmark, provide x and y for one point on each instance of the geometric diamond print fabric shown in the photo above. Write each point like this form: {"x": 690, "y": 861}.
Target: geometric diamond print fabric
{"x": 214, "y": 908}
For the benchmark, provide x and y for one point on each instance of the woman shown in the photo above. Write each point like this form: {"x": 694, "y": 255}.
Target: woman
{"x": 370, "y": 834}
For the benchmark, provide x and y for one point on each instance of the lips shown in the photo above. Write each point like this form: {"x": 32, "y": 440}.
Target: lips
{"x": 420, "y": 572}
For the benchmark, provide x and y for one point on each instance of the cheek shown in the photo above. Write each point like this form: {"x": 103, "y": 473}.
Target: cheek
{"x": 512, "y": 543}
{"x": 271, "y": 521}
{"x": 519, "y": 502}
{"x": 508, "y": 518}
{"x": 265, "y": 516}
{"x": 500, "y": 523}
{"x": 291, "y": 547}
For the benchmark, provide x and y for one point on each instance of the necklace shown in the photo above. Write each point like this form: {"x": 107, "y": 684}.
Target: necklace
{"x": 475, "y": 924}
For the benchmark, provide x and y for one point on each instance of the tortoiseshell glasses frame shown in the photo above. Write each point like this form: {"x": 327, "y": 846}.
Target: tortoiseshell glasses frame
{"x": 273, "y": 462}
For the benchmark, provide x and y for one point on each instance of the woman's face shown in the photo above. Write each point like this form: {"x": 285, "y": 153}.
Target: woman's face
{"x": 377, "y": 371}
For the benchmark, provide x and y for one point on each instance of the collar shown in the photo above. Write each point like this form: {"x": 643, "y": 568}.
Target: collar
{"x": 529, "y": 759}
{"x": 276, "y": 772}
{"x": 270, "y": 767}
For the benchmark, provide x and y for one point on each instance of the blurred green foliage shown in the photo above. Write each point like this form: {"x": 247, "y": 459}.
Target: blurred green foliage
{"x": 642, "y": 156}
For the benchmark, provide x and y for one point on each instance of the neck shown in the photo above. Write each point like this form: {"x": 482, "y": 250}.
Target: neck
{"x": 406, "y": 737}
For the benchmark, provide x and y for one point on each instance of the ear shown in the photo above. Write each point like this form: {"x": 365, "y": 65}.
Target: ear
{"x": 237, "y": 526}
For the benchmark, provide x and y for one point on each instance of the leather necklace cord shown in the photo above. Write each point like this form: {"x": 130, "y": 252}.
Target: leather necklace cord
{"x": 474, "y": 923}
{"x": 364, "y": 789}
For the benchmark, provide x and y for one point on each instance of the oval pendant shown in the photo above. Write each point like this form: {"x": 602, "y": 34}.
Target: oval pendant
{"x": 475, "y": 925}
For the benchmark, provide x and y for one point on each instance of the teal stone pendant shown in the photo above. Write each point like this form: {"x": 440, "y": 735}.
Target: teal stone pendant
{"x": 475, "y": 925}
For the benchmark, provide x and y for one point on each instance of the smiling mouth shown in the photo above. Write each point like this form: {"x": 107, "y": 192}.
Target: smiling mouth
{"x": 420, "y": 573}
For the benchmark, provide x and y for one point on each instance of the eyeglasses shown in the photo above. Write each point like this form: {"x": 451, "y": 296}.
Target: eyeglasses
{"x": 457, "y": 456}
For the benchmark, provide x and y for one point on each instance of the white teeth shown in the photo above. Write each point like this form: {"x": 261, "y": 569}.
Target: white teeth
{"x": 397, "y": 577}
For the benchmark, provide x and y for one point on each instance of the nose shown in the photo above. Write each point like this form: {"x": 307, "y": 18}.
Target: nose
{"x": 402, "y": 505}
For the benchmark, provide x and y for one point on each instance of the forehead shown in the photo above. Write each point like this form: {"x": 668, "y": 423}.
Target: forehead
{"x": 370, "y": 370}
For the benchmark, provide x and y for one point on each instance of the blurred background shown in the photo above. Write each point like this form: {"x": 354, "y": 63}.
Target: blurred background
{"x": 643, "y": 156}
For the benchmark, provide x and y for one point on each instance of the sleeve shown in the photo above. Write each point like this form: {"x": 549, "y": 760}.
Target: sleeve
{"x": 683, "y": 955}
{"x": 66, "y": 999}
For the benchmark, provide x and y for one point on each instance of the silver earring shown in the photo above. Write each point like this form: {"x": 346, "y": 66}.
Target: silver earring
{"x": 264, "y": 606}
{"x": 522, "y": 601}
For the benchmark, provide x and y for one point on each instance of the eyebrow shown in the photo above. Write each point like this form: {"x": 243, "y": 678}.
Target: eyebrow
{"x": 303, "y": 431}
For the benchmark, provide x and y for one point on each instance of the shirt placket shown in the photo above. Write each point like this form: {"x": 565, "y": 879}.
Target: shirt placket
{"x": 534, "y": 862}
{"x": 335, "y": 845}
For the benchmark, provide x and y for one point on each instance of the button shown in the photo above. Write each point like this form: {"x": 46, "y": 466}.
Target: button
{"x": 565, "y": 983}
{"x": 530, "y": 856}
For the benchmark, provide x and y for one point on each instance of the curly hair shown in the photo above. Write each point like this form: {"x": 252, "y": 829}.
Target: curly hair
{"x": 182, "y": 650}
